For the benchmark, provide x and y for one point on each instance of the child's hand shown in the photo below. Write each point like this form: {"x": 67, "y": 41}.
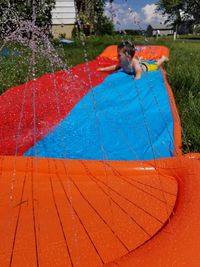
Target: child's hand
{"x": 136, "y": 78}
{"x": 100, "y": 69}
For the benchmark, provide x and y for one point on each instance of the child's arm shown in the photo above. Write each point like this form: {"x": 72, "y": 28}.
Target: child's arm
{"x": 137, "y": 68}
{"x": 109, "y": 68}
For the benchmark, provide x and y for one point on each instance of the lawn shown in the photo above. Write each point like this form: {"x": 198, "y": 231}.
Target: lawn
{"x": 183, "y": 71}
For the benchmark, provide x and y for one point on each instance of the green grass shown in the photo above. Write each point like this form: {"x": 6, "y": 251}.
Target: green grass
{"x": 183, "y": 72}
{"x": 184, "y": 77}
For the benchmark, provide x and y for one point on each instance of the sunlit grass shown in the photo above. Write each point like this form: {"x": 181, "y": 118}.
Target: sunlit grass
{"x": 184, "y": 77}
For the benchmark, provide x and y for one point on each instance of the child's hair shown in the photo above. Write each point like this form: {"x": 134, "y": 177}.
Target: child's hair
{"x": 127, "y": 47}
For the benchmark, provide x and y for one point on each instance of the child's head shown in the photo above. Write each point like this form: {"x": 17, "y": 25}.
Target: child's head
{"x": 127, "y": 49}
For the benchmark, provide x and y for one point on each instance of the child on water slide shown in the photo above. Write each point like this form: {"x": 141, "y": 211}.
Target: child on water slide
{"x": 131, "y": 65}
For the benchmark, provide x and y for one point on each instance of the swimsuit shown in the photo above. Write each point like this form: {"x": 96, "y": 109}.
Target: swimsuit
{"x": 150, "y": 66}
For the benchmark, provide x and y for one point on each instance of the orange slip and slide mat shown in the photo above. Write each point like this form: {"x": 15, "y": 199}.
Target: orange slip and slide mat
{"x": 78, "y": 212}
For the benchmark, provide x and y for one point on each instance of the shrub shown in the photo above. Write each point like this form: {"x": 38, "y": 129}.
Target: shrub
{"x": 19, "y": 10}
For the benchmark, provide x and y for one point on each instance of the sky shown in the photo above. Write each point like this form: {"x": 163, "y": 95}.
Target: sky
{"x": 134, "y": 14}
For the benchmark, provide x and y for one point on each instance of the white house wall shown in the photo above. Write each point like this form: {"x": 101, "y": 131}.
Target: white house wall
{"x": 63, "y": 13}
{"x": 162, "y": 32}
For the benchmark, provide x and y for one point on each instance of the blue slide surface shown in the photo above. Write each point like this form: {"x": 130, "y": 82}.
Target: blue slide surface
{"x": 120, "y": 119}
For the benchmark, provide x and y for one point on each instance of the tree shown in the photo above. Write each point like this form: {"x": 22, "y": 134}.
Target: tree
{"x": 197, "y": 30}
{"x": 181, "y": 10}
{"x": 173, "y": 9}
{"x": 192, "y": 8}
{"x": 91, "y": 14}
{"x": 11, "y": 12}
{"x": 178, "y": 11}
